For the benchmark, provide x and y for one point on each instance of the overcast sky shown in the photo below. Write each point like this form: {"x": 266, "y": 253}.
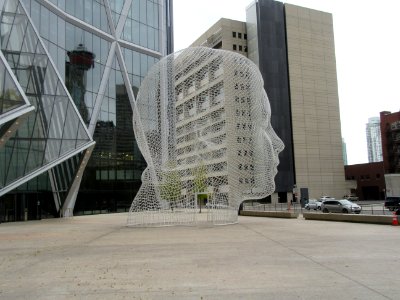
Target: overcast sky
{"x": 367, "y": 42}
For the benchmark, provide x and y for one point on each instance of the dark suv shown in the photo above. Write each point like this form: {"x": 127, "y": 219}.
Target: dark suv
{"x": 392, "y": 203}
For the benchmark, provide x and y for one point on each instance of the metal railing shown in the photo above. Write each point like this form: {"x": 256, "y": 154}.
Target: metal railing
{"x": 376, "y": 209}
{"x": 367, "y": 209}
{"x": 255, "y": 206}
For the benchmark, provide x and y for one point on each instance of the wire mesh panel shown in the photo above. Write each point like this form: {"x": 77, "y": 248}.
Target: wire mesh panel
{"x": 202, "y": 122}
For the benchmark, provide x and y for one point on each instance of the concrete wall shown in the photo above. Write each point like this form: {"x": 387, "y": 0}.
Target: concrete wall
{"x": 374, "y": 219}
{"x": 270, "y": 214}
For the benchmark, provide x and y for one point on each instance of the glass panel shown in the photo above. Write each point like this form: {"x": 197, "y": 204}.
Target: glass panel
{"x": 127, "y": 33}
{"x": 116, "y": 152}
{"x": 88, "y": 9}
{"x": 141, "y": 26}
{"x": 38, "y": 140}
{"x": 116, "y": 8}
{"x": 150, "y": 38}
{"x": 16, "y": 38}
{"x": 92, "y": 12}
{"x": 142, "y": 14}
{"x": 156, "y": 16}
{"x": 134, "y": 11}
{"x": 135, "y": 32}
{"x": 143, "y": 35}
{"x": 35, "y": 156}
{"x": 150, "y": 13}
{"x": 10, "y": 97}
{"x": 143, "y": 65}
{"x": 44, "y": 23}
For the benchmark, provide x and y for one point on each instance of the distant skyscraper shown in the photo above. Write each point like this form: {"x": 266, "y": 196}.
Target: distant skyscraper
{"x": 344, "y": 149}
{"x": 374, "y": 143}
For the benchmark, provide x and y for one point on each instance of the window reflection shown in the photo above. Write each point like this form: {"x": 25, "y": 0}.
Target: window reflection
{"x": 80, "y": 61}
{"x": 116, "y": 156}
{"x": 10, "y": 98}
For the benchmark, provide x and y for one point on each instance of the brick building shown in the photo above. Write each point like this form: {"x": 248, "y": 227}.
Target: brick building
{"x": 390, "y": 133}
{"x": 370, "y": 179}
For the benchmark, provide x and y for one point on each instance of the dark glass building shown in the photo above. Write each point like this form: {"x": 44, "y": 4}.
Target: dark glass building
{"x": 85, "y": 60}
{"x": 273, "y": 64}
{"x": 269, "y": 49}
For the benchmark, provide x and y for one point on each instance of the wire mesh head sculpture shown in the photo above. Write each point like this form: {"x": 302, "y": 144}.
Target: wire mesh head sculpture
{"x": 202, "y": 123}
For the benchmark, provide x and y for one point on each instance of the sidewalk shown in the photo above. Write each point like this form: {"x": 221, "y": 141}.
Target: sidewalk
{"x": 97, "y": 257}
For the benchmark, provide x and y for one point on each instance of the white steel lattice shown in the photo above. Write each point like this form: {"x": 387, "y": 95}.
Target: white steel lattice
{"x": 202, "y": 122}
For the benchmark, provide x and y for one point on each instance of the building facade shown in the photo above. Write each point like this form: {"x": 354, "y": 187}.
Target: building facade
{"x": 225, "y": 34}
{"x": 93, "y": 56}
{"x": 369, "y": 178}
{"x": 294, "y": 49}
{"x": 374, "y": 142}
{"x": 390, "y": 134}
{"x": 225, "y": 137}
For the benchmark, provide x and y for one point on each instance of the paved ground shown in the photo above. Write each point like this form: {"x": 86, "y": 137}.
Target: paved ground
{"x": 97, "y": 257}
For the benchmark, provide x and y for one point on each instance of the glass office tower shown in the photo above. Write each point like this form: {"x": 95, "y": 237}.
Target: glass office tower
{"x": 94, "y": 55}
{"x": 374, "y": 141}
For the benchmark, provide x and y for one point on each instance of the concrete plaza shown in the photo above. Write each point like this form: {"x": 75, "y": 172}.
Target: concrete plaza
{"x": 97, "y": 257}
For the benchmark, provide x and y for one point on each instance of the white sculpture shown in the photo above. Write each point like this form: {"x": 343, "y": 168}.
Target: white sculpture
{"x": 202, "y": 123}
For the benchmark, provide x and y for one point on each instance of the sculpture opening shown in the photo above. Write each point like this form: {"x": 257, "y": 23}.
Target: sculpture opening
{"x": 202, "y": 123}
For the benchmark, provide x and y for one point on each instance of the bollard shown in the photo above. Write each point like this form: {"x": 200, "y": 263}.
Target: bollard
{"x": 395, "y": 222}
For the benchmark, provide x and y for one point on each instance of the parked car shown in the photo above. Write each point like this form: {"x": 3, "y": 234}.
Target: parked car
{"x": 324, "y": 198}
{"x": 319, "y": 204}
{"x": 340, "y": 206}
{"x": 351, "y": 197}
{"x": 313, "y": 204}
{"x": 392, "y": 203}
{"x": 215, "y": 205}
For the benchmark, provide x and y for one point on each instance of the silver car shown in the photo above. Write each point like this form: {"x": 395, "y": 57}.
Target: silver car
{"x": 313, "y": 204}
{"x": 340, "y": 206}
{"x": 324, "y": 198}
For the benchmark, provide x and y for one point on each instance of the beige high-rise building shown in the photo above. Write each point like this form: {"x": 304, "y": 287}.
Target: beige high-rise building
{"x": 226, "y": 34}
{"x": 317, "y": 140}
{"x": 294, "y": 49}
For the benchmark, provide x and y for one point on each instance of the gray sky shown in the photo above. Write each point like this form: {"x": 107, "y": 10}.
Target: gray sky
{"x": 367, "y": 42}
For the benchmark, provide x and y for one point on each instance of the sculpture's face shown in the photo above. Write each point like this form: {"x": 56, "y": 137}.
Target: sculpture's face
{"x": 271, "y": 141}
{"x": 205, "y": 107}
{"x": 265, "y": 145}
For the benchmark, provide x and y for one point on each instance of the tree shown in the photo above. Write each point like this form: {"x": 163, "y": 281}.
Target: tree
{"x": 199, "y": 181}
{"x": 171, "y": 185}
{"x": 200, "y": 177}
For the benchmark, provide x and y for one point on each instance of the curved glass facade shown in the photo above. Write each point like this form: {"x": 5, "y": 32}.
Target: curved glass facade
{"x": 92, "y": 12}
{"x": 101, "y": 50}
{"x": 142, "y": 25}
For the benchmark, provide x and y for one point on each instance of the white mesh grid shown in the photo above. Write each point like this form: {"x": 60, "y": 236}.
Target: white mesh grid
{"x": 202, "y": 122}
